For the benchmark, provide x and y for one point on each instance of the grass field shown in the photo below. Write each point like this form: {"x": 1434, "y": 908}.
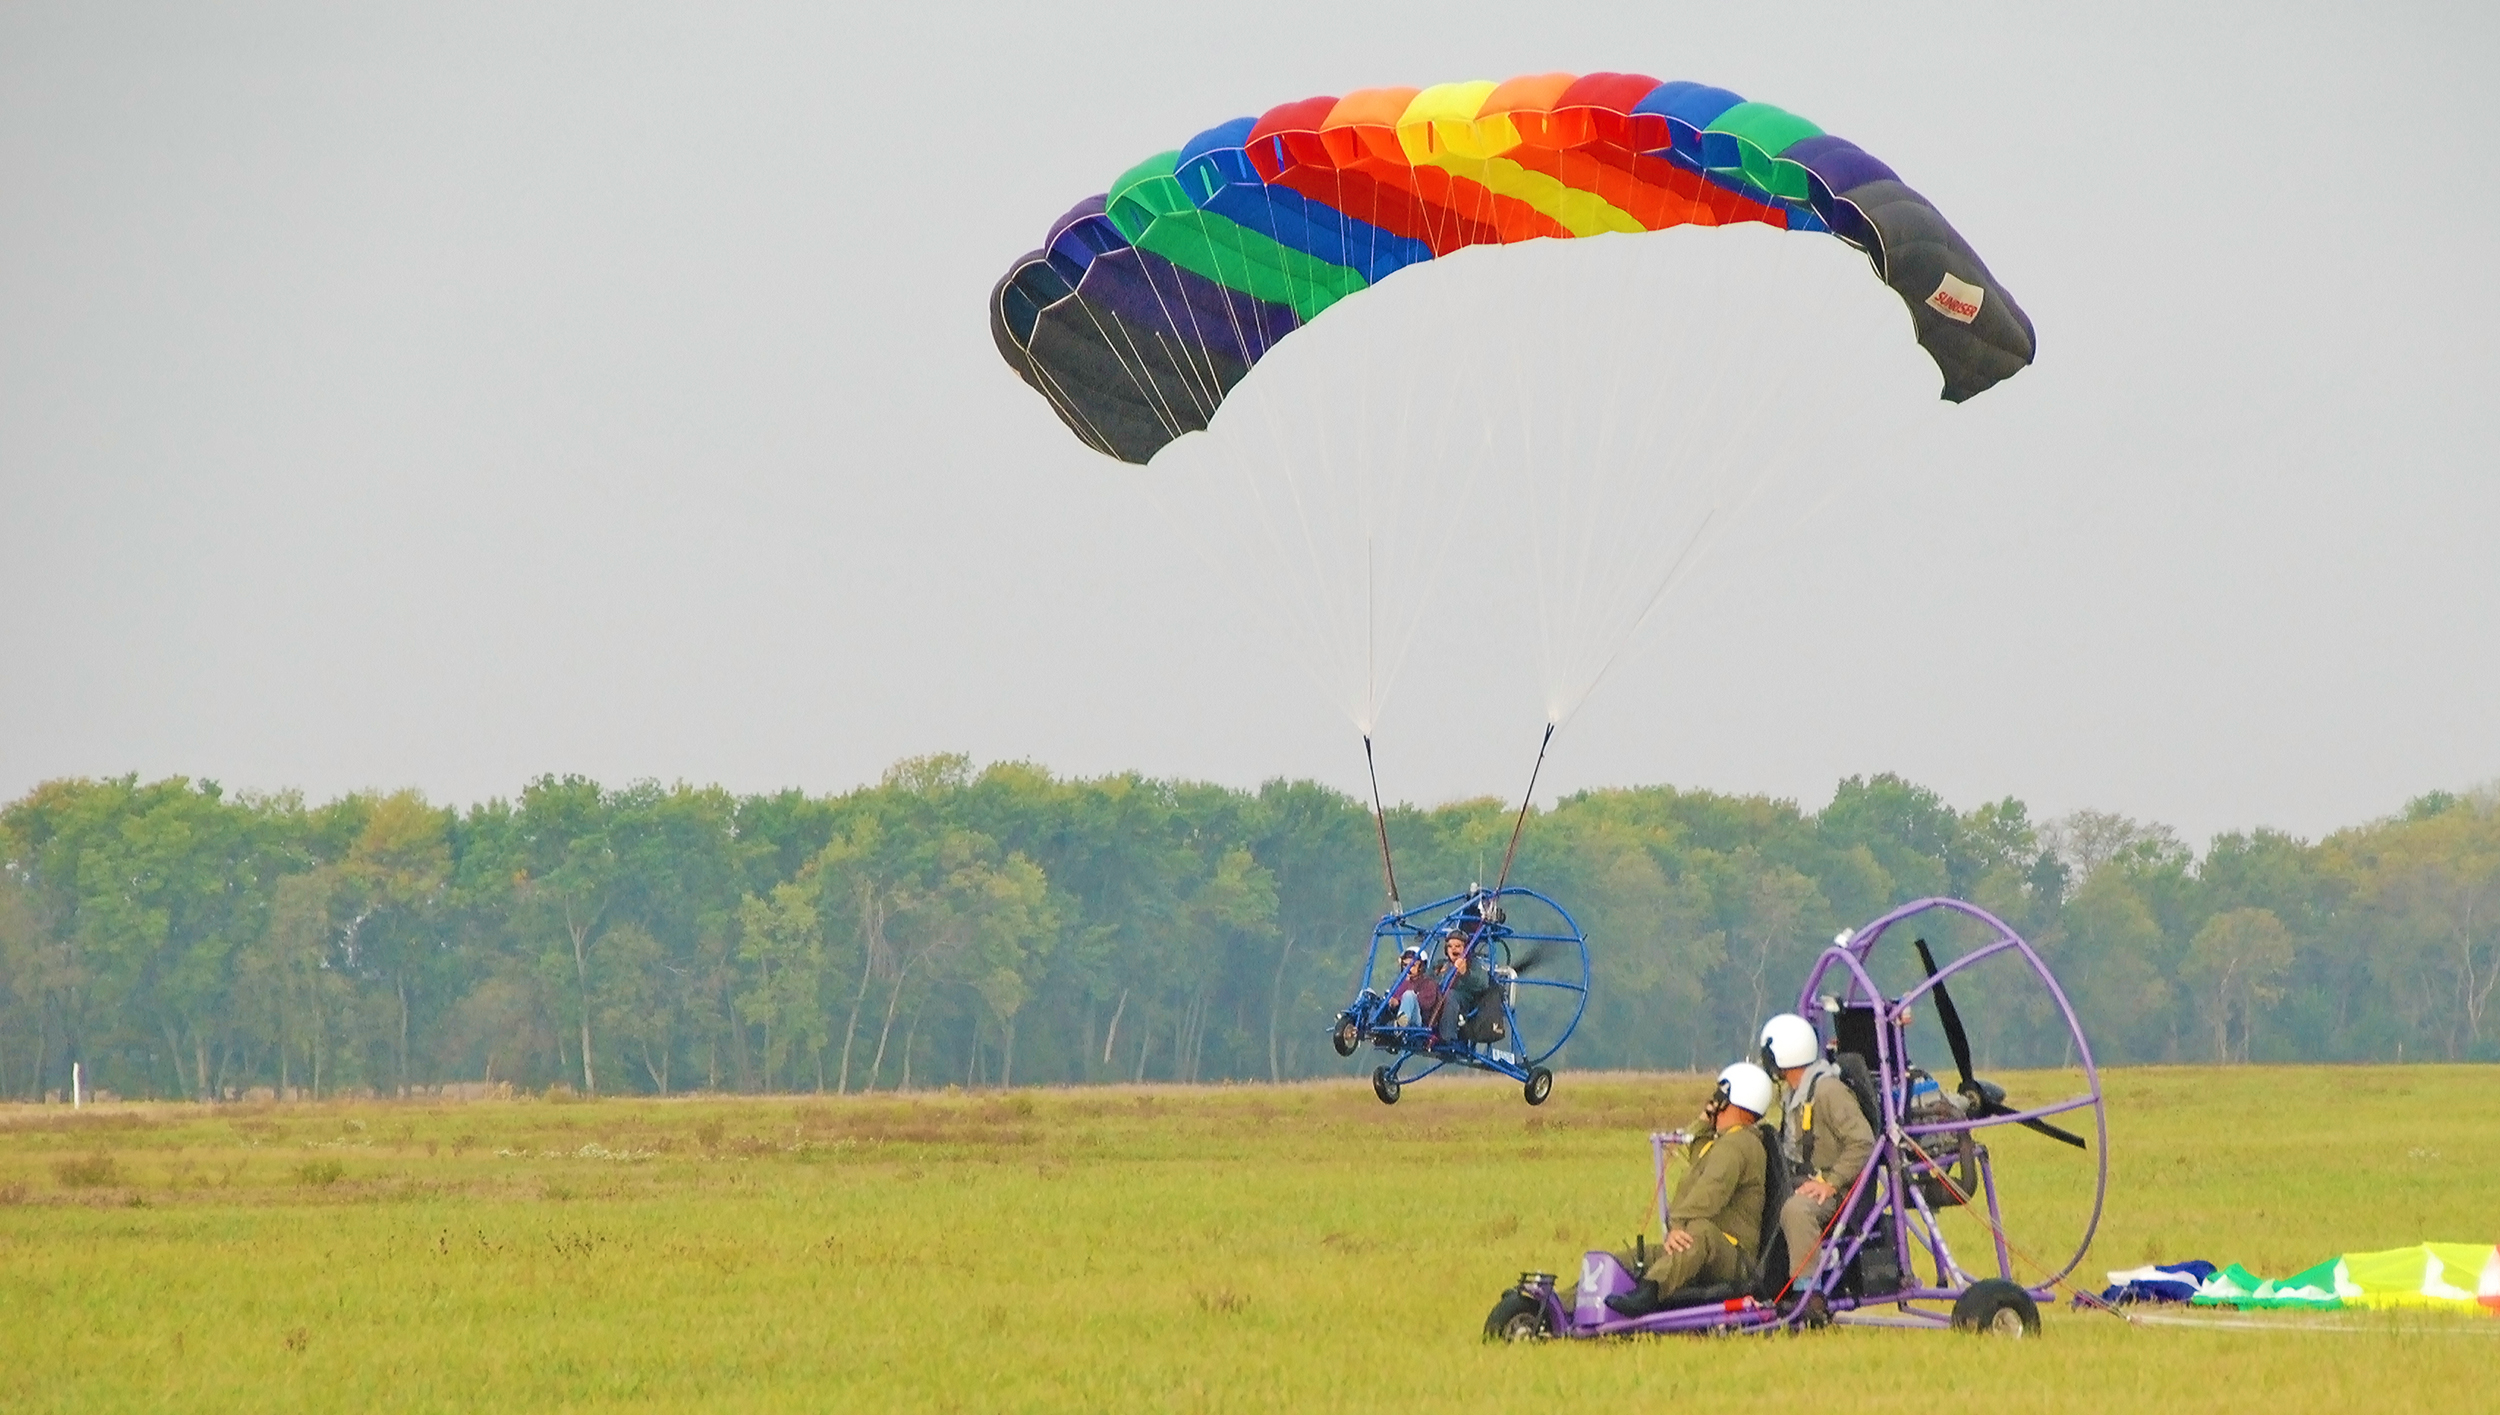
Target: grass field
{"x": 1297, "y": 1247}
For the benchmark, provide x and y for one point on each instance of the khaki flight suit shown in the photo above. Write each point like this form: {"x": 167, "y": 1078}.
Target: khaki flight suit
{"x": 1823, "y": 1135}
{"x": 1720, "y": 1204}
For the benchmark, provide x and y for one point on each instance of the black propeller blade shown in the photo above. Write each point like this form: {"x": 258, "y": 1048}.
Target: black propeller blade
{"x": 1992, "y": 1102}
{"x": 2054, "y": 1133}
{"x": 1531, "y": 960}
{"x": 1986, "y": 1097}
{"x": 1954, "y": 1036}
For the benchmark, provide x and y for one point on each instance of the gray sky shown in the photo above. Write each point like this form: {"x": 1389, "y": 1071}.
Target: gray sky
{"x": 439, "y": 395}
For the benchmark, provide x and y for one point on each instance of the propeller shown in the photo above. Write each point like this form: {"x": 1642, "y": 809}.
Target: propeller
{"x": 1986, "y": 1097}
{"x": 1531, "y": 960}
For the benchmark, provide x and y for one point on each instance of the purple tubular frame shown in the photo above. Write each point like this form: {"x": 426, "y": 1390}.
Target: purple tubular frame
{"x": 1890, "y": 1068}
{"x": 1890, "y": 1179}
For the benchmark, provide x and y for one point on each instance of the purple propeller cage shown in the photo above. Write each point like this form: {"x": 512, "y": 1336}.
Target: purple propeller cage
{"x": 1886, "y": 1207}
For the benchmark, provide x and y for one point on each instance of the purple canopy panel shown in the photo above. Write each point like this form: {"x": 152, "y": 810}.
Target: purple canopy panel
{"x": 1840, "y": 163}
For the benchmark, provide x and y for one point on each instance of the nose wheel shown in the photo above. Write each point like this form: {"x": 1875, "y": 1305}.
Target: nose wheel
{"x": 1540, "y": 1085}
{"x": 1385, "y": 1085}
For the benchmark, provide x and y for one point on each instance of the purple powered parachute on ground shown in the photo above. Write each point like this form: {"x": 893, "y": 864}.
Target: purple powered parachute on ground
{"x": 1885, "y": 1260}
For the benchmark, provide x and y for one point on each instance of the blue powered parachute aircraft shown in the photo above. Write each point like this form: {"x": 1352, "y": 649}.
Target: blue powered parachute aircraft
{"x": 1538, "y": 967}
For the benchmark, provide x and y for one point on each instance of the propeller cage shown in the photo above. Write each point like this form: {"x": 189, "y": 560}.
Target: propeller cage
{"x": 1934, "y": 1153}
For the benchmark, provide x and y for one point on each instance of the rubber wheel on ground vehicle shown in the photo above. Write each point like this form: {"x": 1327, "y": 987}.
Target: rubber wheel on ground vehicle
{"x": 1385, "y": 1086}
{"x": 1540, "y": 1085}
{"x": 1345, "y": 1037}
{"x": 1517, "y": 1317}
{"x": 1995, "y": 1307}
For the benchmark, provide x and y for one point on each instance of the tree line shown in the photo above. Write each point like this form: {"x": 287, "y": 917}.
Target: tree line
{"x": 1005, "y": 926}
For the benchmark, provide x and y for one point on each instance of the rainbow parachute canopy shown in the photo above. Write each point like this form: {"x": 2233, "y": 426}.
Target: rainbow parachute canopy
{"x": 1148, "y": 303}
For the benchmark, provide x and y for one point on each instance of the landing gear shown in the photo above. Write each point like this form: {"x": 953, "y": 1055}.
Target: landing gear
{"x": 1517, "y": 1317}
{"x": 1345, "y": 1036}
{"x": 1995, "y": 1307}
{"x": 1385, "y": 1085}
{"x": 1540, "y": 1085}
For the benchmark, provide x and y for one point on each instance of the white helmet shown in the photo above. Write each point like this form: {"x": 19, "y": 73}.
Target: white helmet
{"x": 1789, "y": 1040}
{"x": 1747, "y": 1087}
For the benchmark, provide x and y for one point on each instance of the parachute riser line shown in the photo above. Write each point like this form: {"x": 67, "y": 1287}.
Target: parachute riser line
{"x": 1380, "y": 819}
{"x": 1520, "y": 822}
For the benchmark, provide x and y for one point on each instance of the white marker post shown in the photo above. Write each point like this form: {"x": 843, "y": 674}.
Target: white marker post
{"x": 77, "y": 1084}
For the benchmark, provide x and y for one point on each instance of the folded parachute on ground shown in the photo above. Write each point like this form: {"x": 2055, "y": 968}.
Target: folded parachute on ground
{"x": 1146, "y": 304}
{"x": 2462, "y": 1277}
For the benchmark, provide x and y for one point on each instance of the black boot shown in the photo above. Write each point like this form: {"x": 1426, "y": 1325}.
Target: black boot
{"x": 1639, "y": 1302}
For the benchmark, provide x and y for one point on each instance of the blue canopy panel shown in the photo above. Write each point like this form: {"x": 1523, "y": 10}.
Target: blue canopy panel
{"x": 1217, "y": 173}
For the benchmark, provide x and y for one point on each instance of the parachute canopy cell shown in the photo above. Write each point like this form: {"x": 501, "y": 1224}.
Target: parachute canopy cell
{"x": 1149, "y": 302}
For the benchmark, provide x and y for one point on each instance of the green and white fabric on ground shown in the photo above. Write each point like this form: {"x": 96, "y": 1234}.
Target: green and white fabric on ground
{"x": 2440, "y": 1276}
{"x": 2230, "y": 1287}
{"x": 2312, "y": 1289}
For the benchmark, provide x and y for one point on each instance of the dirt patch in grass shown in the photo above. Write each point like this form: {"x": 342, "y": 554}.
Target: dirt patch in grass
{"x": 34, "y": 1121}
{"x": 95, "y": 1171}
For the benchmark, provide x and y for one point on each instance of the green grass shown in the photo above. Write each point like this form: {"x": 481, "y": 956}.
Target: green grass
{"x": 1152, "y": 1248}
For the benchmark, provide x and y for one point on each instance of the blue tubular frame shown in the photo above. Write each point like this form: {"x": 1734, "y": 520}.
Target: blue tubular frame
{"x": 1428, "y": 925}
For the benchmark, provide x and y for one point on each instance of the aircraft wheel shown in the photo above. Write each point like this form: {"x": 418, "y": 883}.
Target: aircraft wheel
{"x": 1517, "y": 1317}
{"x": 1385, "y": 1085}
{"x": 1345, "y": 1036}
{"x": 1995, "y": 1307}
{"x": 1540, "y": 1085}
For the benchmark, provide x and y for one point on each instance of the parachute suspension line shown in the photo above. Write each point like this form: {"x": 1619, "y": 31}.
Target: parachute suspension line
{"x": 1205, "y": 390}
{"x": 1602, "y": 466}
{"x": 1133, "y": 364}
{"x": 1675, "y": 572}
{"x": 1297, "y": 620}
{"x": 1380, "y": 818}
{"x": 1371, "y": 597}
{"x": 1309, "y": 479}
{"x": 1371, "y": 662}
{"x": 1729, "y": 477}
{"x": 1233, "y": 461}
{"x": 1669, "y": 450}
{"x": 1769, "y": 458}
{"x": 1541, "y": 290}
{"x": 1704, "y": 448}
{"x": 1317, "y": 624}
{"x": 1387, "y": 479}
{"x": 1521, "y": 822}
{"x": 1599, "y": 573}
{"x": 1313, "y": 615}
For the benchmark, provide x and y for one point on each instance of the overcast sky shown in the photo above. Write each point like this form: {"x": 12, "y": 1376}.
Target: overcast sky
{"x": 438, "y": 395}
